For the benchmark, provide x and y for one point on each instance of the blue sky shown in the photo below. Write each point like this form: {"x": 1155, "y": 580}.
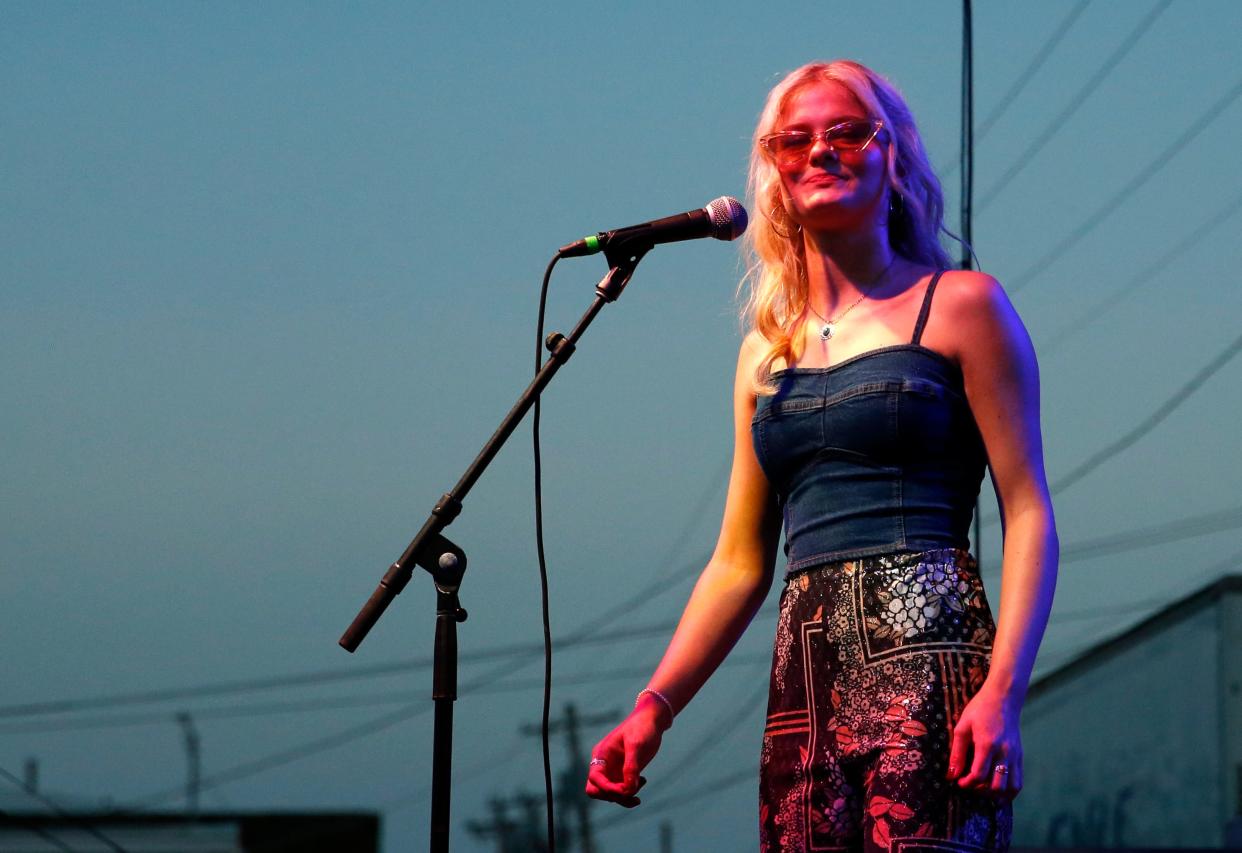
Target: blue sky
{"x": 270, "y": 279}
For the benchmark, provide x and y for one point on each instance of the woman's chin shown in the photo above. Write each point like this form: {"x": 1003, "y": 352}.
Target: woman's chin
{"x": 832, "y": 211}
{"x": 830, "y": 218}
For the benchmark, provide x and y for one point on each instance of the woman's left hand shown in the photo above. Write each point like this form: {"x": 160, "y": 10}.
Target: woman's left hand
{"x": 986, "y": 751}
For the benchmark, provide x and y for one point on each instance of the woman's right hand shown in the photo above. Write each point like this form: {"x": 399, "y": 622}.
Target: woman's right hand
{"x": 625, "y": 751}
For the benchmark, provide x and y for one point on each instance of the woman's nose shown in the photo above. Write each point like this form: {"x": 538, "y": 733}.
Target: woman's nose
{"x": 820, "y": 149}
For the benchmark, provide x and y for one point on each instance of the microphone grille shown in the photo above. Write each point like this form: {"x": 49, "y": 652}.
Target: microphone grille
{"x": 727, "y": 216}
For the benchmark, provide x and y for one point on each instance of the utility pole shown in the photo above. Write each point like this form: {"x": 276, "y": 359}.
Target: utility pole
{"x": 570, "y": 724}
{"x": 499, "y": 827}
{"x": 666, "y": 837}
{"x": 193, "y": 759}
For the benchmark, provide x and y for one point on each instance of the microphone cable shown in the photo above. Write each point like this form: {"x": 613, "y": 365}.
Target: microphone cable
{"x": 543, "y": 568}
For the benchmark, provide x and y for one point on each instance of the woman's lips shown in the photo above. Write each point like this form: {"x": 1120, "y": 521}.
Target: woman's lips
{"x": 823, "y": 180}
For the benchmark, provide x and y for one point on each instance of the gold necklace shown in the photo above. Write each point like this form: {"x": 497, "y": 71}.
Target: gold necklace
{"x": 828, "y": 329}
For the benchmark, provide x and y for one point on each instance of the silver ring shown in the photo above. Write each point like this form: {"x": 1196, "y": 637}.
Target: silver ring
{"x": 1000, "y": 768}
{"x": 595, "y": 761}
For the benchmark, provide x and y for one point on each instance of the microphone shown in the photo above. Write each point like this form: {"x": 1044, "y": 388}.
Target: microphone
{"x": 723, "y": 218}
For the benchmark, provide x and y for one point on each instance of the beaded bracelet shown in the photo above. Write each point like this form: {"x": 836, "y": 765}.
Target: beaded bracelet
{"x": 657, "y": 694}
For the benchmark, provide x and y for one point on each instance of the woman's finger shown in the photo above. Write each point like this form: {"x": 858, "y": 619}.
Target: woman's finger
{"x": 629, "y": 770}
{"x": 1001, "y": 772}
{"x": 959, "y": 751}
{"x": 980, "y": 775}
{"x": 605, "y": 780}
{"x": 1007, "y": 783}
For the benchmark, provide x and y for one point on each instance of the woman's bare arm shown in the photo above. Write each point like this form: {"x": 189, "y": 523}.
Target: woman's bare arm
{"x": 1002, "y": 386}
{"x": 729, "y": 591}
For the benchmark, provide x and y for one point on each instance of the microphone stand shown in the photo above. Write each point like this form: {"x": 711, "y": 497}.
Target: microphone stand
{"x": 446, "y": 562}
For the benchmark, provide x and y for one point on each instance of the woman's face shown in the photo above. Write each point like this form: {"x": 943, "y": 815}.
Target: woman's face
{"x": 832, "y": 190}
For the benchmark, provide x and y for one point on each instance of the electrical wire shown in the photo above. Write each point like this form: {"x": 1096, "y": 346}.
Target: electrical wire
{"x": 37, "y": 830}
{"x": 1180, "y": 396}
{"x": 707, "y": 789}
{"x": 1151, "y": 421}
{"x": 1032, "y": 68}
{"x": 1161, "y": 534}
{"x": 717, "y": 734}
{"x": 512, "y": 650}
{"x": 282, "y": 757}
{"x": 60, "y": 812}
{"x": 312, "y": 747}
{"x": 1146, "y": 606}
{"x": 1024, "y": 77}
{"x": 247, "y": 711}
{"x": 1191, "y": 527}
{"x": 1145, "y": 174}
{"x": 1075, "y": 101}
{"x": 491, "y": 761}
{"x": 318, "y": 745}
{"x": 1129, "y": 288}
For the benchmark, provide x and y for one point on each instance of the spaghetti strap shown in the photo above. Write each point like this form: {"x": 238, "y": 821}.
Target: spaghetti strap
{"x": 926, "y": 309}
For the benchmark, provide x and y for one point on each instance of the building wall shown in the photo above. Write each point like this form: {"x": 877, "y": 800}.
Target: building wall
{"x": 1125, "y": 750}
{"x": 1229, "y": 613}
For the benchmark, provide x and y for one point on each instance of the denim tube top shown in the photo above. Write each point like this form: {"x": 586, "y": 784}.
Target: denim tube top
{"x": 877, "y": 454}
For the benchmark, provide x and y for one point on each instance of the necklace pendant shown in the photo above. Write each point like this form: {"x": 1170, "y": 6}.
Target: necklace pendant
{"x": 825, "y": 333}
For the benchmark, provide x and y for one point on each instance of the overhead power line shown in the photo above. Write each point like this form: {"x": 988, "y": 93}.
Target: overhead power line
{"x": 718, "y": 733}
{"x": 285, "y": 756}
{"x": 309, "y": 748}
{"x": 37, "y": 830}
{"x": 1161, "y": 534}
{"x": 322, "y": 677}
{"x": 707, "y": 789}
{"x": 1151, "y": 421}
{"x": 60, "y": 812}
{"x": 336, "y": 739}
{"x": 1024, "y": 77}
{"x": 319, "y": 704}
{"x": 1032, "y": 68}
{"x": 1145, "y": 174}
{"x": 1145, "y": 426}
{"x": 1146, "y": 604}
{"x": 1072, "y": 106}
{"x": 1129, "y": 288}
{"x": 1147, "y": 536}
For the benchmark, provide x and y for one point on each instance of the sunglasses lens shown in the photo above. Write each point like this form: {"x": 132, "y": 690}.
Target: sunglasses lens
{"x": 852, "y": 135}
{"x": 789, "y": 148}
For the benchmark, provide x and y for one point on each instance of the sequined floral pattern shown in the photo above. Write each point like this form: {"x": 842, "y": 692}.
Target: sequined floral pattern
{"x": 874, "y": 661}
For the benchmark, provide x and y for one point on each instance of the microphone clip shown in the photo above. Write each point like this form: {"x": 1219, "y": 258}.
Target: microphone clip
{"x": 623, "y": 258}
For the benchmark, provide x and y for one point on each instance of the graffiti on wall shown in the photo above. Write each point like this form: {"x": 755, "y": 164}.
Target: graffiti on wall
{"x": 1100, "y": 822}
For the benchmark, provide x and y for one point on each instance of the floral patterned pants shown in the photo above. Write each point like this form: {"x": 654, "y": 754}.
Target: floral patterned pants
{"x": 874, "y": 660}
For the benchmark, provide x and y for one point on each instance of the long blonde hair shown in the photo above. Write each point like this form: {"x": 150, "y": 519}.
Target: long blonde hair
{"x": 776, "y": 272}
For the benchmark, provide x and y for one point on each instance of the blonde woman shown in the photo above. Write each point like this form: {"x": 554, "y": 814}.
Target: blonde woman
{"x": 873, "y": 388}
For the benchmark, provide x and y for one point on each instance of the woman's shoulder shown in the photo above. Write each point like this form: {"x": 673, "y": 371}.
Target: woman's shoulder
{"x": 754, "y": 344}
{"x": 967, "y": 307}
{"x": 967, "y": 299}
{"x": 975, "y": 317}
{"x": 968, "y": 286}
{"x": 753, "y": 349}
